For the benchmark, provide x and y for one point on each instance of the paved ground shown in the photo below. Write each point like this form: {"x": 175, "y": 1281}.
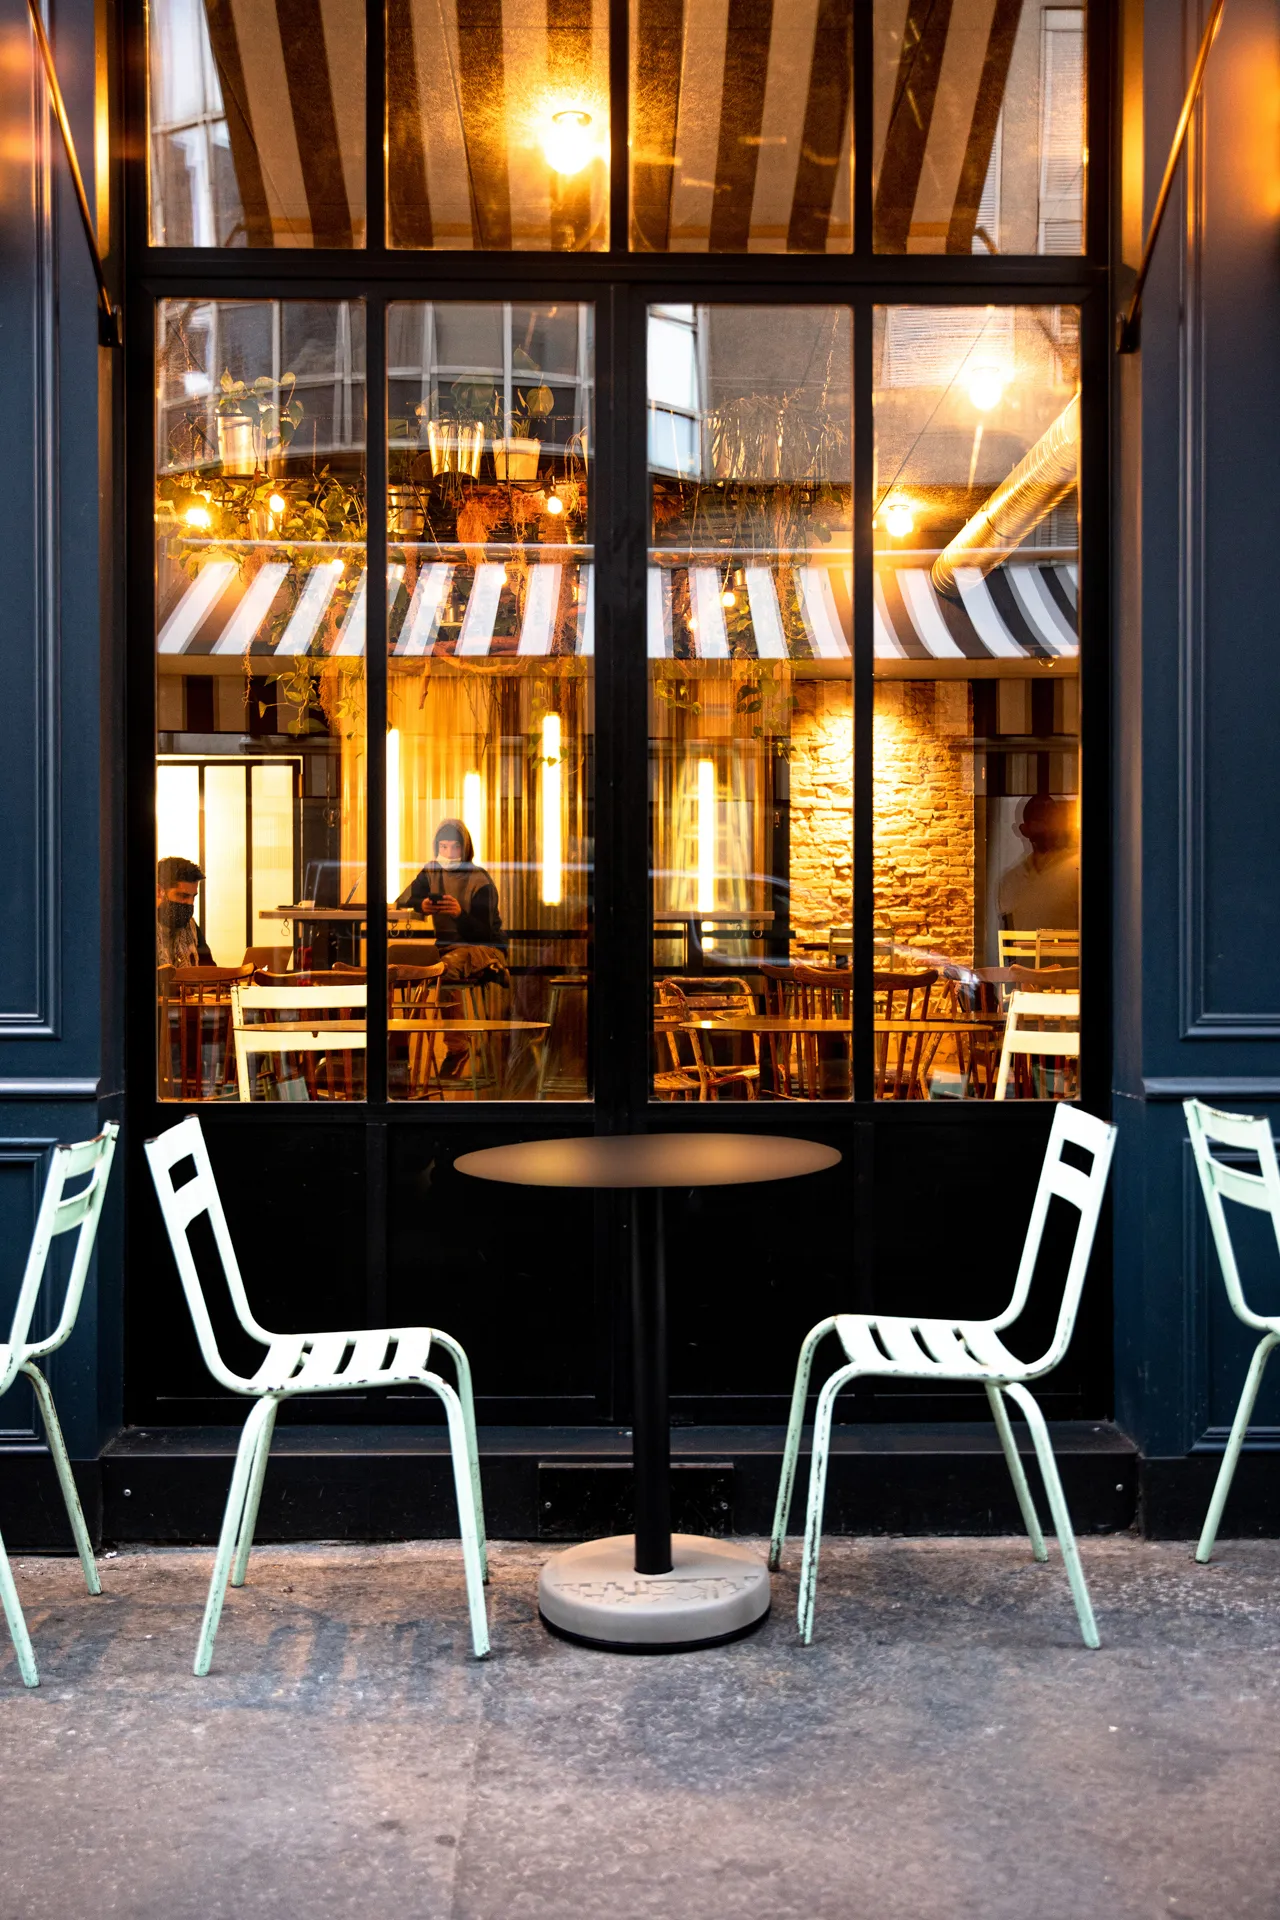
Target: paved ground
{"x": 947, "y": 1748}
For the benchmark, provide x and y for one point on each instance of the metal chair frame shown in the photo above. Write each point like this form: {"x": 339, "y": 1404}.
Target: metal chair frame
{"x": 903, "y": 1348}
{"x": 59, "y": 1213}
{"x": 297, "y": 1363}
{"x": 1247, "y": 1133}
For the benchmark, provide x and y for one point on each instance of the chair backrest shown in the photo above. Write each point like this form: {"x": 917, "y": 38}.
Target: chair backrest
{"x": 1084, "y": 1191}
{"x": 308, "y": 999}
{"x": 906, "y": 995}
{"x": 182, "y": 1205}
{"x": 1061, "y": 1041}
{"x": 1246, "y": 1133}
{"x": 60, "y": 1213}
{"x": 1039, "y": 946}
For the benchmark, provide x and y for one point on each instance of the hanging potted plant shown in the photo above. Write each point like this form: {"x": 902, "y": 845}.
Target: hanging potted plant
{"x": 455, "y": 444}
{"x": 515, "y": 455}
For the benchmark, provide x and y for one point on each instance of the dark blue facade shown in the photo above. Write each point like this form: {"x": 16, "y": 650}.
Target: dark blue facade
{"x": 1194, "y": 784}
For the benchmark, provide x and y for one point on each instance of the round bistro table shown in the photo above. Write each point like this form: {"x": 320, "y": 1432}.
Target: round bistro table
{"x": 652, "y": 1592}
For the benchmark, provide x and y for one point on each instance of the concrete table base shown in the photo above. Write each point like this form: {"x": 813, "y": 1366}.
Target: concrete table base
{"x": 715, "y": 1591}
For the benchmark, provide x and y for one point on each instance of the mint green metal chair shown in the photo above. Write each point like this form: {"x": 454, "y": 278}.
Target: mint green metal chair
{"x": 1241, "y": 1133}
{"x": 59, "y": 1213}
{"x": 901, "y": 1348}
{"x": 310, "y": 1363}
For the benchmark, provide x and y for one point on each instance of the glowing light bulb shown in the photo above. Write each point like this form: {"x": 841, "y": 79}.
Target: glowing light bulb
{"x": 276, "y": 503}
{"x": 728, "y": 598}
{"x": 898, "y": 519}
{"x": 337, "y": 565}
{"x": 986, "y": 388}
{"x": 199, "y": 518}
{"x": 567, "y": 143}
{"x": 554, "y": 503}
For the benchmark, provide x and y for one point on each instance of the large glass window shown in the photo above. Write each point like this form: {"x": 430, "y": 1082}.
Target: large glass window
{"x": 256, "y": 123}
{"x": 741, "y": 126}
{"x": 979, "y": 127}
{"x": 750, "y": 715}
{"x": 976, "y": 726}
{"x": 261, "y": 899}
{"x": 490, "y": 649}
{"x": 498, "y": 124}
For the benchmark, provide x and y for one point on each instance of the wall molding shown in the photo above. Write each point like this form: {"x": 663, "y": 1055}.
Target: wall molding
{"x": 53, "y": 1087}
{"x": 34, "y": 1156}
{"x": 42, "y": 1019}
{"x": 1199, "y": 1020}
{"x": 1250, "y": 1086}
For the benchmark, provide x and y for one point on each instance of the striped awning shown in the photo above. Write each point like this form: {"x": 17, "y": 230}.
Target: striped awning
{"x": 1016, "y": 612}
{"x": 439, "y": 608}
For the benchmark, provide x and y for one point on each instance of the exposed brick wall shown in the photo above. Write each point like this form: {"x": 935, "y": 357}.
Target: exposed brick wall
{"x": 923, "y": 828}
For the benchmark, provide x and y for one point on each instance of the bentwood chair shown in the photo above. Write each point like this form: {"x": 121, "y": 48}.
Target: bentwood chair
{"x": 903, "y": 1348}
{"x": 1219, "y": 1181}
{"x": 295, "y": 1363}
{"x": 59, "y": 1213}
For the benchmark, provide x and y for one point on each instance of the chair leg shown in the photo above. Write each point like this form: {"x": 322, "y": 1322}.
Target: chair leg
{"x": 1240, "y": 1426}
{"x": 786, "y": 1485}
{"x": 1058, "y": 1508}
{"x": 1026, "y": 1505}
{"x": 258, "y": 1415}
{"x": 240, "y": 1565}
{"x": 66, "y": 1480}
{"x": 466, "y": 1513}
{"x": 817, "y": 1495}
{"x": 467, "y": 1400}
{"x": 17, "y": 1625}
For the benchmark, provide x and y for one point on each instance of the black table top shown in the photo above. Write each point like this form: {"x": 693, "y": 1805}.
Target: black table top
{"x": 650, "y": 1160}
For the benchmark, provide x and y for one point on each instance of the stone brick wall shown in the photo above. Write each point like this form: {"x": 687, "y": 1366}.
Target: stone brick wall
{"x": 923, "y": 828}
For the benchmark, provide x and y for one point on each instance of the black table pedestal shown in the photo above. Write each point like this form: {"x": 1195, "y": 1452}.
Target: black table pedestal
{"x": 650, "y": 1592}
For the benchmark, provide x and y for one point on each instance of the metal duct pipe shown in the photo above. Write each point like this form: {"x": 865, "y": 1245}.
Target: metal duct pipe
{"x": 1042, "y": 478}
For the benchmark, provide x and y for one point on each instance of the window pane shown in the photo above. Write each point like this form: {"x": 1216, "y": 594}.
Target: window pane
{"x": 260, "y": 599}
{"x": 976, "y": 728}
{"x": 489, "y": 755}
{"x": 741, "y": 126}
{"x": 980, "y": 127}
{"x": 498, "y": 125}
{"x": 256, "y": 124}
{"x": 751, "y": 711}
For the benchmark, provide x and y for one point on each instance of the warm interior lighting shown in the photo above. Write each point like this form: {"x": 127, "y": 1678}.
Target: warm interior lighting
{"x": 986, "y": 388}
{"x": 337, "y": 565}
{"x": 567, "y": 143}
{"x": 393, "y": 813}
{"x": 552, "y": 843}
{"x": 554, "y": 503}
{"x": 200, "y": 518}
{"x": 473, "y": 812}
{"x": 728, "y": 598}
{"x": 706, "y": 836}
{"x": 276, "y": 503}
{"x": 898, "y": 519}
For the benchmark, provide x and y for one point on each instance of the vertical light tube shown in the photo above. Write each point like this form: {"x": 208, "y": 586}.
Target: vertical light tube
{"x": 552, "y": 840}
{"x": 225, "y": 862}
{"x": 706, "y": 836}
{"x": 473, "y": 812}
{"x": 393, "y": 813}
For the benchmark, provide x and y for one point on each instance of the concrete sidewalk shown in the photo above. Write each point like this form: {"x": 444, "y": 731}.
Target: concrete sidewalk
{"x": 946, "y": 1750}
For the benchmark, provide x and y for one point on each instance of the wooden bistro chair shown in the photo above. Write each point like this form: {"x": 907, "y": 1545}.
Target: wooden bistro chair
{"x": 1039, "y": 946}
{"x": 1239, "y": 1134}
{"x": 704, "y": 999}
{"x": 195, "y": 1030}
{"x": 901, "y": 1348}
{"x": 413, "y": 993}
{"x": 1052, "y": 1035}
{"x": 298, "y": 1363}
{"x": 259, "y": 1014}
{"x": 59, "y": 1213}
{"x": 903, "y": 1059}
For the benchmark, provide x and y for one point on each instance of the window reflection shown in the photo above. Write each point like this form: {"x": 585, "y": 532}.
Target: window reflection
{"x": 741, "y": 127}
{"x": 260, "y": 596}
{"x": 256, "y": 124}
{"x": 491, "y": 640}
{"x": 979, "y": 134}
{"x": 751, "y": 744}
{"x": 976, "y": 729}
{"x": 497, "y": 125}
